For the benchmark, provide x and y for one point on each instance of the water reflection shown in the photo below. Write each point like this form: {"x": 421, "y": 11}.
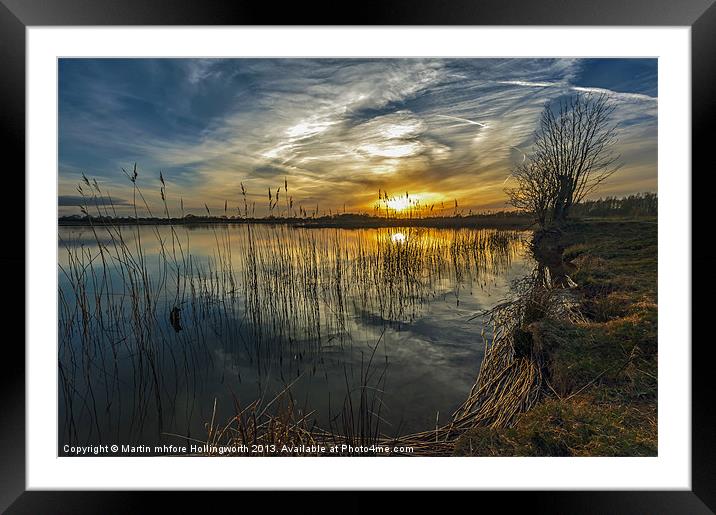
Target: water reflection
{"x": 158, "y": 322}
{"x": 397, "y": 237}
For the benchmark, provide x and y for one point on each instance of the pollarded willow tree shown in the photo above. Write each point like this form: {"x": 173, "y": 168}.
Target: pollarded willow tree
{"x": 573, "y": 153}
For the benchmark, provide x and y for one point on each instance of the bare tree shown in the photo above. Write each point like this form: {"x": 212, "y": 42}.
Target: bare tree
{"x": 573, "y": 153}
{"x": 534, "y": 191}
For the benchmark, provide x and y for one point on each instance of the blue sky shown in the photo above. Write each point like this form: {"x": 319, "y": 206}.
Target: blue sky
{"x": 336, "y": 129}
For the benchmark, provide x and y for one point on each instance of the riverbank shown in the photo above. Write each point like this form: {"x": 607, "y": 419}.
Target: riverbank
{"x": 601, "y": 372}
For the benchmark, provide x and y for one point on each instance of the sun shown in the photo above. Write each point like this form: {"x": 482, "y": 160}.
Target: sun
{"x": 401, "y": 203}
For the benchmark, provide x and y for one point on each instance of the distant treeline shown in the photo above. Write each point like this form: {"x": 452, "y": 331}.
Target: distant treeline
{"x": 638, "y": 205}
{"x": 505, "y": 219}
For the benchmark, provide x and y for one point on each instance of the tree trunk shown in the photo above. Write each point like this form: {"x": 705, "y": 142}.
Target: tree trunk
{"x": 548, "y": 250}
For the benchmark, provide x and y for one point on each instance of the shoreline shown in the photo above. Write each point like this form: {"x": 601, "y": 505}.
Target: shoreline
{"x": 339, "y": 222}
{"x": 599, "y": 369}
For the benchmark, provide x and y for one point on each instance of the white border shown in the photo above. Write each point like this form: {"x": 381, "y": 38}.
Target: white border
{"x": 672, "y": 467}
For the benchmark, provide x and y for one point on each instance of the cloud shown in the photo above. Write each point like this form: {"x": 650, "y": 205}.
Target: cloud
{"x": 268, "y": 171}
{"x": 336, "y": 128}
{"x": 617, "y": 95}
{"x": 614, "y": 95}
{"x": 531, "y": 84}
{"x": 78, "y": 200}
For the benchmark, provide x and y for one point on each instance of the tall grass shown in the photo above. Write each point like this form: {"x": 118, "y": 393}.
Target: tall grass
{"x": 139, "y": 310}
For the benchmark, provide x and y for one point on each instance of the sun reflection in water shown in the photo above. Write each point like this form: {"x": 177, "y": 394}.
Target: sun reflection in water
{"x": 398, "y": 237}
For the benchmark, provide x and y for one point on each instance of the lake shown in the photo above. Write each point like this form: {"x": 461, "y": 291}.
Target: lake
{"x": 164, "y": 329}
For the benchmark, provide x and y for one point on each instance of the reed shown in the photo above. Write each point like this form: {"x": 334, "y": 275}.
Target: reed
{"x": 510, "y": 381}
{"x": 276, "y": 294}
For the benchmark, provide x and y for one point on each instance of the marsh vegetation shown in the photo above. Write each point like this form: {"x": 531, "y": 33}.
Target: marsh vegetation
{"x": 165, "y": 329}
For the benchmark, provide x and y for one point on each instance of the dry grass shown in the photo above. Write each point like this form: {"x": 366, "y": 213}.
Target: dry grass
{"x": 600, "y": 369}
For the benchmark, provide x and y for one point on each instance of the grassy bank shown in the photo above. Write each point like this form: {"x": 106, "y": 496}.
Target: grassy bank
{"x": 601, "y": 373}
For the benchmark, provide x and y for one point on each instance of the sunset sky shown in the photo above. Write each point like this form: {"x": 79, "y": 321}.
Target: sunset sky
{"x": 337, "y": 130}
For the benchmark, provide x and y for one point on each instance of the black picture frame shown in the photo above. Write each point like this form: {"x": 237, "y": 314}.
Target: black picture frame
{"x": 700, "y": 15}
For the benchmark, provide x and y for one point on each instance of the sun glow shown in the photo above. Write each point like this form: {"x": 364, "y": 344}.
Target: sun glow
{"x": 392, "y": 150}
{"x": 398, "y": 237}
{"x": 401, "y": 203}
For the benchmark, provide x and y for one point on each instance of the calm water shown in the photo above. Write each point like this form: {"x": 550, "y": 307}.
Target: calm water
{"x": 158, "y": 326}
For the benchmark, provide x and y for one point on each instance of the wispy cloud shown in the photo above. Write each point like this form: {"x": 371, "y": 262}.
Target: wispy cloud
{"x": 336, "y": 129}
{"x": 616, "y": 94}
{"x": 532, "y": 84}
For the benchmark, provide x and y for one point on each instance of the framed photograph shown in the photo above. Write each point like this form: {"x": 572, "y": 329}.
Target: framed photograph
{"x": 449, "y": 249}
